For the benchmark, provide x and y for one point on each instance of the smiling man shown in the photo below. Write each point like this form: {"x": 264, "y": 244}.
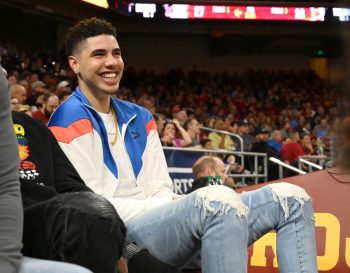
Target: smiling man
{"x": 115, "y": 147}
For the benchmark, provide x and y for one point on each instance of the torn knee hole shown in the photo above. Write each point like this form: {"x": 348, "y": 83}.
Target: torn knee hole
{"x": 227, "y": 198}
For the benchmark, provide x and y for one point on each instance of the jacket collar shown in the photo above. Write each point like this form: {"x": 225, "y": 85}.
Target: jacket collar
{"x": 124, "y": 113}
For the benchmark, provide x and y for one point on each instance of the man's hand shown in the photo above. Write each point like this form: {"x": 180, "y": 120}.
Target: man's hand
{"x": 122, "y": 265}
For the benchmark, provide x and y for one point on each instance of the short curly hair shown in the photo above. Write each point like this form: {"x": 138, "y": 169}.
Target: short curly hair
{"x": 87, "y": 28}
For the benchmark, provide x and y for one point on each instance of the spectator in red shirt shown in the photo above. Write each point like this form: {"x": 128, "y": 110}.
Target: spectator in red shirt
{"x": 50, "y": 104}
{"x": 292, "y": 149}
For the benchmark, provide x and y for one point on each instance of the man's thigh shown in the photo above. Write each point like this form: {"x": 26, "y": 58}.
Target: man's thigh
{"x": 171, "y": 232}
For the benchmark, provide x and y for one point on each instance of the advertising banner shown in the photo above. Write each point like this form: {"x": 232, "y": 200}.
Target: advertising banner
{"x": 330, "y": 197}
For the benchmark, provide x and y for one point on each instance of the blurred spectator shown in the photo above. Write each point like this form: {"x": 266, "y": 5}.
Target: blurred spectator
{"x": 149, "y": 104}
{"x": 322, "y": 129}
{"x": 232, "y": 166}
{"x": 26, "y": 109}
{"x": 243, "y": 131}
{"x": 292, "y": 149}
{"x": 193, "y": 128}
{"x": 191, "y": 113}
{"x": 181, "y": 116}
{"x": 175, "y": 135}
{"x": 63, "y": 87}
{"x": 207, "y": 143}
{"x": 160, "y": 121}
{"x": 39, "y": 102}
{"x": 19, "y": 92}
{"x": 63, "y": 96}
{"x": 269, "y": 99}
{"x": 320, "y": 114}
{"x": 305, "y": 141}
{"x": 209, "y": 122}
{"x": 15, "y": 104}
{"x": 221, "y": 140}
{"x": 210, "y": 170}
{"x": 276, "y": 140}
{"x": 25, "y": 84}
{"x": 306, "y": 128}
{"x": 286, "y": 126}
{"x": 39, "y": 87}
{"x": 260, "y": 146}
{"x": 50, "y": 103}
{"x": 231, "y": 124}
{"x": 12, "y": 78}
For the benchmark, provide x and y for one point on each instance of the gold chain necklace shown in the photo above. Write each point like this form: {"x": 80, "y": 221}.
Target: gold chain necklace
{"x": 114, "y": 140}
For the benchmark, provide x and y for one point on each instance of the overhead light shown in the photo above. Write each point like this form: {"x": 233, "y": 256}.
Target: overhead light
{"x": 100, "y": 3}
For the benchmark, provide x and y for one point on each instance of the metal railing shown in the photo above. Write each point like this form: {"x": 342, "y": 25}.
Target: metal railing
{"x": 282, "y": 165}
{"x": 226, "y": 133}
{"x": 307, "y": 159}
{"x": 232, "y": 135}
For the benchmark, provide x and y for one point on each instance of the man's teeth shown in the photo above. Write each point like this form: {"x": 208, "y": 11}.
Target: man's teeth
{"x": 109, "y": 75}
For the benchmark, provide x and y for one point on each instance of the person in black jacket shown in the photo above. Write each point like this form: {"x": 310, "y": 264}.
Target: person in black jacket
{"x": 11, "y": 211}
{"x": 260, "y": 146}
{"x": 63, "y": 219}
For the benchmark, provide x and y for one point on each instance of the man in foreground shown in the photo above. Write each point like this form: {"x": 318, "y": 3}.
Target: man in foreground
{"x": 11, "y": 212}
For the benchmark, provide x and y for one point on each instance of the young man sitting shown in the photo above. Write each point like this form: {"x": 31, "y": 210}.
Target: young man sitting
{"x": 115, "y": 147}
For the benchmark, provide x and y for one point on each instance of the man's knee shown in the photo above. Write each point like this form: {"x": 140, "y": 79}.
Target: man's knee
{"x": 227, "y": 198}
{"x": 286, "y": 193}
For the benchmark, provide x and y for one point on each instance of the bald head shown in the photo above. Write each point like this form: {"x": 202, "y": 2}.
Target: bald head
{"x": 19, "y": 92}
{"x": 207, "y": 166}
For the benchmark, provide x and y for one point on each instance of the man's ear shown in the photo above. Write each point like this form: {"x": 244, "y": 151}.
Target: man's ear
{"x": 209, "y": 171}
{"x": 73, "y": 63}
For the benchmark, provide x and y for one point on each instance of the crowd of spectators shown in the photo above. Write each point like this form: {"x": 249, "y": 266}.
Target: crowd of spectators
{"x": 278, "y": 104}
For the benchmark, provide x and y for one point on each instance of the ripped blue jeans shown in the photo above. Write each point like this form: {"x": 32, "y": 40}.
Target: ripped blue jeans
{"x": 287, "y": 209}
{"x": 213, "y": 221}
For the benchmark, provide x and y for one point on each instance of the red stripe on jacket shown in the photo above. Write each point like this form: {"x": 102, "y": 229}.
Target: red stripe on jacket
{"x": 77, "y": 129}
{"x": 151, "y": 125}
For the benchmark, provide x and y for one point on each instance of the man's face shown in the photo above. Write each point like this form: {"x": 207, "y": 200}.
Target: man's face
{"x": 99, "y": 62}
{"x": 21, "y": 94}
{"x": 181, "y": 116}
{"x": 219, "y": 125}
{"x": 243, "y": 129}
{"x": 262, "y": 137}
{"x": 306, "y": 140}
{"x": 323, "y": 122}
{"x": 277, "y": 136}
{"x": 169, "y": 129}
{"x": 195, "y": 126}
{"x": 51, "y": 105}
{"x": 208, "y": 145}
{"x": 15, "y": 104}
